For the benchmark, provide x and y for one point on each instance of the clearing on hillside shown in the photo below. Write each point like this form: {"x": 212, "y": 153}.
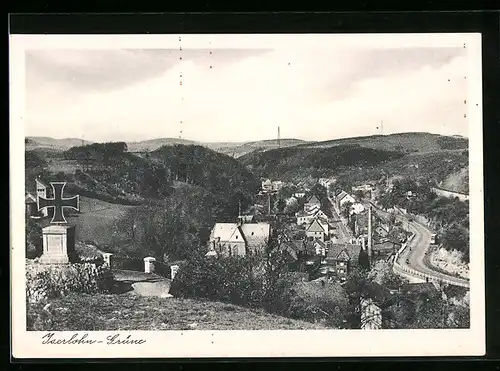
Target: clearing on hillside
{"x": 127, "y": 312}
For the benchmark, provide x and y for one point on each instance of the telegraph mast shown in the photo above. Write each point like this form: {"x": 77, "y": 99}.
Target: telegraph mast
{"x": 279, "y": 139}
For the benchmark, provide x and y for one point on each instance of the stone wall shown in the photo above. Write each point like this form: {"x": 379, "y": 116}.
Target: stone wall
{"x": 50, "y": 281}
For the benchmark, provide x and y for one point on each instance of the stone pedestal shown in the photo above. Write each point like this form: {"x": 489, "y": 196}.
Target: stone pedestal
{"x": 149, "y": 264}
{"x": 58, "y": 244}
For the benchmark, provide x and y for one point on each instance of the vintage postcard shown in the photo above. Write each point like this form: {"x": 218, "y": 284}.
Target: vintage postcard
{"x": 300, "y": 195}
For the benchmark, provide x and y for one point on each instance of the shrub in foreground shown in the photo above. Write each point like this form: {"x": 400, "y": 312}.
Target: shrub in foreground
{"x": 52, "y": 281}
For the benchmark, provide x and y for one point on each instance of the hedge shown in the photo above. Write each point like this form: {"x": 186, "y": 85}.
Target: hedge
{"x": 51, "y": 281}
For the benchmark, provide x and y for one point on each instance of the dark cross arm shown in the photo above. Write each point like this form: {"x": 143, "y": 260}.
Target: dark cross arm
{"x": 58, "y": 203}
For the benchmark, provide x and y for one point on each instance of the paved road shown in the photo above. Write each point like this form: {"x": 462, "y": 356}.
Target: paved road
{"x": 343, "y": 233}
{"x": 417, "y": 248}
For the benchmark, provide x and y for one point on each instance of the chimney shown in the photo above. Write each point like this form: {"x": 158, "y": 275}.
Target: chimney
{"x": 370, "y": 232}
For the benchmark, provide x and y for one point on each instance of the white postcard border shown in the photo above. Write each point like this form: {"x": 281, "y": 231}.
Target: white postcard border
{"x": 310, "y": 343}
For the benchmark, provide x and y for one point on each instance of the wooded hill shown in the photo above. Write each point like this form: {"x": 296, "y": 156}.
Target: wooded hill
{"x": 356, "y": 160}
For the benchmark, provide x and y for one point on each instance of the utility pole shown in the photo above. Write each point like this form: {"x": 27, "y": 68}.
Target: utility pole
{"x": 279, "y": 139}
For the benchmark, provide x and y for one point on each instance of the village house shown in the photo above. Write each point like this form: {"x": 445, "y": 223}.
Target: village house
{"x": 363, "y": 188}
{"x": 305, "y": 218}
{"x": 341, "y": 259}
{"x": 313, "y": 201}
{"x": 384, "y": 248}
{"x": 31, "y": 205}
{"x": 299, "y": 194}
{"x": 267, "y": 185}
{"x": 34, "y": 190}
{"x": 315, "y": 230}
{"x": 326, "y": 182}
{"x": 343, "y": 198}
{"x": 239, "y": 239}
{"x": 291, "y": 201}
{"x": 277, "y": 185}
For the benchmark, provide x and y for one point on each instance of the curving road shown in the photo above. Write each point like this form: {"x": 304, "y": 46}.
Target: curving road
{"x": 414, "y": 254}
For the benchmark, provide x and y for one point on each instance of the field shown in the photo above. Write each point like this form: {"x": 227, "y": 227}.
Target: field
{"x": 126, "y": 312}
{"x": 98, "y": 221}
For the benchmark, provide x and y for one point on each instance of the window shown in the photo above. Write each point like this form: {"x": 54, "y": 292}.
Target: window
{"x": 341, "y": 264}
{"x": 236, "y": 237}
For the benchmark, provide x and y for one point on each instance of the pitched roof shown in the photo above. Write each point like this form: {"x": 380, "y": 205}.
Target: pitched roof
{"x": 315, "y": 227}
{"x": 225, "y": 231}
{"x": 352, "y": 251}
{"x": 29, "y": 198}
{"x": 384, "y": 245}
{"x": 256, "y": 234}
{"x": 313, "y": 200}
{"x": 341, "y": 195}
{"x": 40, "y": 182}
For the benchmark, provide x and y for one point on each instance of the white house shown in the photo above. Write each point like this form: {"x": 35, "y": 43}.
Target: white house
{"x": 315, "y": 230}
{"x": 238, "y": 239}
{"x": 299, "y": 194}
{"x": 277, "y": 185}
{"x": 363, "y": 188}
{"x": 344, "y": 198}
{"x": 267, "y": 185}
{"x": 41, "y": 191}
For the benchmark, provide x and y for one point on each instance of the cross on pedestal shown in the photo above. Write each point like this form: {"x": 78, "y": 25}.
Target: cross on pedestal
{"x": 58, "y": 202}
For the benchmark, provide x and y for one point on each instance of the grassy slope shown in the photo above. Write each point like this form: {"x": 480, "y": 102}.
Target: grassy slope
{"x": 98, "y": 220}
{"x": 82, "y": 312}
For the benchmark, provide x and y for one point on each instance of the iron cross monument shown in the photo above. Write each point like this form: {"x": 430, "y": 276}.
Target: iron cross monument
{"x": 58, "y": 237}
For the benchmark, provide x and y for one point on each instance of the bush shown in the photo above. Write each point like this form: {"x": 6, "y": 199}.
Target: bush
{"x": 314, "y": 302}
{"x": 52, "y": 281}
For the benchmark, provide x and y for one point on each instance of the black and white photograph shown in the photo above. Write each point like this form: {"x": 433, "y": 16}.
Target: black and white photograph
{"x": 216, "y": 185}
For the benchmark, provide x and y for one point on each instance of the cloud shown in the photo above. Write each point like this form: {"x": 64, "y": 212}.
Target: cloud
{"x": 318, "y": 95}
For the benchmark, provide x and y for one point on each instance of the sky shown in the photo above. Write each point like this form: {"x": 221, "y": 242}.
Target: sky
{"x": 243, "y": 95}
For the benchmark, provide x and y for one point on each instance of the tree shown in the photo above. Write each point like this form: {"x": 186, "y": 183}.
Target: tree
{"x": 33, "y": 235}
{"x": 457, "y": 238}
{"x": 364, "y": 260}
{"x": 280, "y": 205}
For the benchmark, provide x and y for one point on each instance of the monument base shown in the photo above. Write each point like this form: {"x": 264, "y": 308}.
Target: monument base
{"x": 54, "y": 259}
{"x": 58, "y": 244}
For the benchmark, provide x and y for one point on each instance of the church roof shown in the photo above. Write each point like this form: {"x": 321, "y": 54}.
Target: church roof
{"x": 256, "y": 234}
{"x": 315, "y": 227}
{"x": 225, "y": 231}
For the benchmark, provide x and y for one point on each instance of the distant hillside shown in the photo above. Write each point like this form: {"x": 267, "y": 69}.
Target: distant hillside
{"x": 435, "y": 167}
{"x": 32, "y": 143}
{"x": 400, "y": 142}
{"x": 106, "y": 171}
{"x": 154, "y": 144}
{"x": 301, "y": 161}
{"x": 240, "y": 149}
{"x": 418, "y": 155}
